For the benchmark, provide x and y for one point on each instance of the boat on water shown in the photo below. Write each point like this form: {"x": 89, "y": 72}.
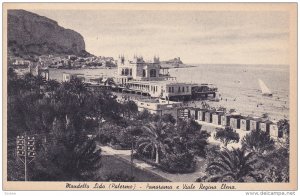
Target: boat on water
{"x": 264, "y": 89}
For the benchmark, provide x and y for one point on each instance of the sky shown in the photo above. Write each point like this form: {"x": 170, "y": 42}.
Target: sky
{"x": 206, "y": 37}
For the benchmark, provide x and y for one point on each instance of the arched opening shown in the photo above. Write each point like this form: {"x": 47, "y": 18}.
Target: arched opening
{"x": 152, "y": 73}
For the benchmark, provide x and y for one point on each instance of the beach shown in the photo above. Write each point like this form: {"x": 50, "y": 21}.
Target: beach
{"x": 239, "y": 88}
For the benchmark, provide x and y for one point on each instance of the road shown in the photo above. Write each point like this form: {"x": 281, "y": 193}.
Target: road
{"x": 126, "y": 155}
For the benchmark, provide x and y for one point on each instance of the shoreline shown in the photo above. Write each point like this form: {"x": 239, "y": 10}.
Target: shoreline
{"x": 96, "y": 68}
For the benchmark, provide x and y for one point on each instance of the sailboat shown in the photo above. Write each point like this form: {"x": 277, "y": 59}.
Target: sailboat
{"x": 264, "y": 89}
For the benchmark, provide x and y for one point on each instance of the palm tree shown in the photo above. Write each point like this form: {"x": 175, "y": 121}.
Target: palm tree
{"x": 258, "y": 142}
{"x": 235, "y": 164}
{"x": 154, "y": 139}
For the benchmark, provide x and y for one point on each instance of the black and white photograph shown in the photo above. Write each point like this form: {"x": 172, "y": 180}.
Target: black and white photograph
{"x": 198, "y": 95}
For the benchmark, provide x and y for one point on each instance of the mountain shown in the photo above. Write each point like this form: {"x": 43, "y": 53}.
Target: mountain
{"x": 31, "y": 34}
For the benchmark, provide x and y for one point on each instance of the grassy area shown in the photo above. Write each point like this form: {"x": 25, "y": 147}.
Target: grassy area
{"x": 114, "y": 165}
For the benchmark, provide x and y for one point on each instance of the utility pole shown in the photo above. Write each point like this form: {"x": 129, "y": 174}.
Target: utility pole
{"x": 26, "y": 151}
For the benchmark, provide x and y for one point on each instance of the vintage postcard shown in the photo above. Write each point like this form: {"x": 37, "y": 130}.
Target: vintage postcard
{"x": 150, "y": 96}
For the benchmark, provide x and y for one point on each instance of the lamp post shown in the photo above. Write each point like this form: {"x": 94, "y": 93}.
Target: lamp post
{"x": 26, "y": 151}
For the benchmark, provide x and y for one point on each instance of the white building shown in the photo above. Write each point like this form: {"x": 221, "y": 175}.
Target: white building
{"x": 147, "y": 77}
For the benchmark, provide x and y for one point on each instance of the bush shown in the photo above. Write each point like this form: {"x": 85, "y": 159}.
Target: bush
{"x": 211, "y": 152}
{"x": 227, "y": 135}
{"x": 168, "y": 118}
{"x": 258, "y": 141}
{"x": 179, "y": 163}
{"x": 108, "y": 133}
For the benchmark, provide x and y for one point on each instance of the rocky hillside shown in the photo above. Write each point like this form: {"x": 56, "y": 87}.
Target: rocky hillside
{"x": 31, "y": 34}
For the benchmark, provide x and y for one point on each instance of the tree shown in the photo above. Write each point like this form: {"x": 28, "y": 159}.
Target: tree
{"x": 227, "y": 135}
{"x": 284, "y": 128}
{"x": 275, "y": 165}
{"x": 153, "y": 139}
{"x": 193, "y": 137}
{"x": 51, "y": 86}
{"x": 232, "y": 165}
{"x": 179, "y": 162}
{"x": 127, "y": 136}
{"x": 67, "y": 156}
{"x": 258, "y": 141}
{"x": 129, "y": 109}
{"x": 168, "y": 118}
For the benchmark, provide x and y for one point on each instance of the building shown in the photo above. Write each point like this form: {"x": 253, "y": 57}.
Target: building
{"x": 183, "y": 112}
{"x": 225, "y": 119}
{"x": 235, "y": 122}
{"x": 208, "y": 116}
{"x": 139, "y": 69}
{"x": 216, "y": 118}
{"x": 194, "y": 113}
{"x": 245, "y": 123}
{"x": 254, "y": 123}
{"x": 159, "y": 107}
{"x": 274, "y": 132}
{"x": 149, "y": 78}
{"x": 67, "y": 77}
{"x": 201, "y": 114}
{"x": 169, "y": 90}
{"x": 44, "y": 73}
{"x": 265, "y": 126}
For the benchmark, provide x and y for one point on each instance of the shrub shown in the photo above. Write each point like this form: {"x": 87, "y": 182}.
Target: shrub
{"x": 124, "y": 138}
{"x": 168, "y": 118}
{"x": 227, "y": 135}
{"x": 258, "y": 142}
{"x": 178, "y": 163}
{"x": 108, "y": 133}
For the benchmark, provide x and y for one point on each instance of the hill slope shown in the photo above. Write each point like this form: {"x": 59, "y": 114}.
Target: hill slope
{"x": 31, "y": 34}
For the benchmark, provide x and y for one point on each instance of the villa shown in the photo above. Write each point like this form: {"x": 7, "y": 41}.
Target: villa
{"x": 149, "y": 78}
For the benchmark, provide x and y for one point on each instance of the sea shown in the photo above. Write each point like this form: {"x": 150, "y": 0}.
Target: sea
{"x": 238, "y": 86}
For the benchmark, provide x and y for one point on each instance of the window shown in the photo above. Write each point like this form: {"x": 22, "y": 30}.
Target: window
{"x": 183, "y": 89}
{"x": 178, "y": 89}
{"x": 144, "y": 73}
{"x": 130, "y": 72}
{"x": 126, "y": 72}
{"x": 170, "y": 89}
{"x": 152, "y": 73}
{"x": 187, "y": 89}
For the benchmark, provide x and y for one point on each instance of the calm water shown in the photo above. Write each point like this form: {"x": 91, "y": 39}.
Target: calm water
{"x": 237, "y": 84}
